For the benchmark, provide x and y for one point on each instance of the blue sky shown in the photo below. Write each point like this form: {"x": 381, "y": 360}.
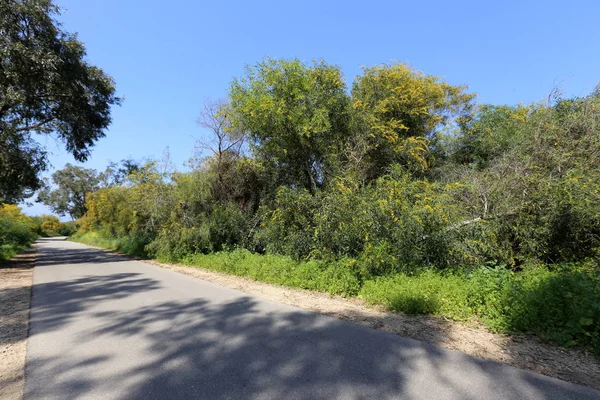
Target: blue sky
{"x": 168, "y": 56}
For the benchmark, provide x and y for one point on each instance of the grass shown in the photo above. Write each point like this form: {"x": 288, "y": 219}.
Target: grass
{"x": 426, "y": 293}
{"x": 8, "y": 251}
{"x": 336, "y": 278}
{"x": 561, "y": 304}
{"x": 132, "y": 245}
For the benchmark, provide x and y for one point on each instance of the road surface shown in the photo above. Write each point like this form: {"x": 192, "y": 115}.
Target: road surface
{"x": 105, "y": 327}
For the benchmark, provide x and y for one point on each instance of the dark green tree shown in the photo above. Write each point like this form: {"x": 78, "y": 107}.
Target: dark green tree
{"x": 46, "y": 87}
{"x": 118, "y": 173}
{"x": 72, "y": 184}
{"x": 297, "y": 117}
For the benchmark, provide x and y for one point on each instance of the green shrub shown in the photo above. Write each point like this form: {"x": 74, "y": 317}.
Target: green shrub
{"x": 562, "y": 305}
{"x": 288, "y": 228}
{"x": 338, "y": 277}
{"x": 488, "y": 290}
{"x": 427, "y": 292}
{"x": 15, "y": 232}
{"x": 67, "y": 229}
{"x": 176, "y": 242}
{"x": 134, "y": 245}
{"x": 8, "y": 251}
{"x": 228, "y": 227}
{"x": 396, "y": 224}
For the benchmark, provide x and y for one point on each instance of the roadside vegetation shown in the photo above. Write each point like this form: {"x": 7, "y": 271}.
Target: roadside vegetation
{"x": 400, "y": 188}
{"x": 47, "y": 89}
{"x": 402, "y": 191}
{"x": 15, "y": 231}
{"x": 18, "y": 231}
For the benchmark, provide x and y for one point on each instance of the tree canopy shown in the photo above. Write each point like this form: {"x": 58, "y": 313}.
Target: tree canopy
{"x": 72, "y": 184}
{"x": 296, "y": 114}
{"x": 46, "y": 87}
{"x": 401, "y": 110}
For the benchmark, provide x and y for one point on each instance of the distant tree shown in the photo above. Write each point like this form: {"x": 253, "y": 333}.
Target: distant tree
{"x": 50, "y": 225}
{"x": 491, "y": 132}
{"x": 46, "y": 87}
{"x": 226, "y": 139}
{"x": 119, "y": 173}
{"x": 72, "y": 184}
{"x": 296, "y": 116}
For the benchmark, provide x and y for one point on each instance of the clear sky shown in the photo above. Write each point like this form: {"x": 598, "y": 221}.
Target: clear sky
{"x": 168, "y": 56}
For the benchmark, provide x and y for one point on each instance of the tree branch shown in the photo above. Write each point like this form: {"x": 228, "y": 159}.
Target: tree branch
{"x": 34, "y": 127}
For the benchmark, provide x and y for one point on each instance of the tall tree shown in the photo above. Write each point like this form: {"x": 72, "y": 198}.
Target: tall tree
{"x": 73, "y": 183}
{"x": 119, "y": 173}
{"x": 226, "y": 140}
{"x": 297, "y": 116}
{"x": 46, "y": 87}
{"x": 400, "y": 110}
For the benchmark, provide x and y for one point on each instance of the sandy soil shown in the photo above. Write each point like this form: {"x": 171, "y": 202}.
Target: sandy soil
{"x": 16, "y": 278}
{"x": 525, "y": 352}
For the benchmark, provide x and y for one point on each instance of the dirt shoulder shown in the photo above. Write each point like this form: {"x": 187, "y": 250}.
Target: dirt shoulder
{"x": 16, "y": 277}
{"x": 524, "y": 352}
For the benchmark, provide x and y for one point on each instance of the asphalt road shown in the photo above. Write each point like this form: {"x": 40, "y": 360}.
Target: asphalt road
{"x": 105, "y": 327}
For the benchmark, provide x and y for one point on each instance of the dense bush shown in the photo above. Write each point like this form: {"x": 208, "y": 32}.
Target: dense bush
{"x": 395, "y": 224}
{"x": 16, "y": 231}
{"x": 337, "y": 277}
{"x": 50, "y": 226}
{"x": 134, "y": 245}
{"x": 403, "y": 190}
{"x": 67, "y": 228}
{"x": 562, "y": 305}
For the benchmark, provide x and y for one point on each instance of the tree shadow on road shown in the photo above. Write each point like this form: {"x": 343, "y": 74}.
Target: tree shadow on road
{"x": 85, "y": 255}
{"x": 243, "y": 348}
{"x": 56, "y": 303}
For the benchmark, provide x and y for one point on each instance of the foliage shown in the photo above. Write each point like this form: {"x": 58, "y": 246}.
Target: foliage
{"x": 425, "y": 293}
{"x": 50, "y": 225}
{"x": 67, "y": 228}
{"x": 394, "y": 224}
{"x": 297, "y": 116}
{"x": 560, "y": 304}
{"x": 491, "y": 132}
{"x": 46, "y": 87}
{"x": 15, "y": 231}
{"x": 72, "y": 185}
{"x": 288, "y": 228}
{"x": 226, "y": 144}
{"x": 534, "y": 190}
{"x": 333, "y": 277}
{"x": 400, "y": 111}
{"x": 134, "y": 244}
{"x": 109, "y": 209}
{"x": 403, "y": 191}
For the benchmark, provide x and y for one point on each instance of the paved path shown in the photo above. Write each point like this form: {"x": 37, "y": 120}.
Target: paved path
{"x": 105, "y": 327}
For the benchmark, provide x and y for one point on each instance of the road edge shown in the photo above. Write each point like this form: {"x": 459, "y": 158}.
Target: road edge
{"x": 570, "y": 365}
{"x": 16, "y": 284}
